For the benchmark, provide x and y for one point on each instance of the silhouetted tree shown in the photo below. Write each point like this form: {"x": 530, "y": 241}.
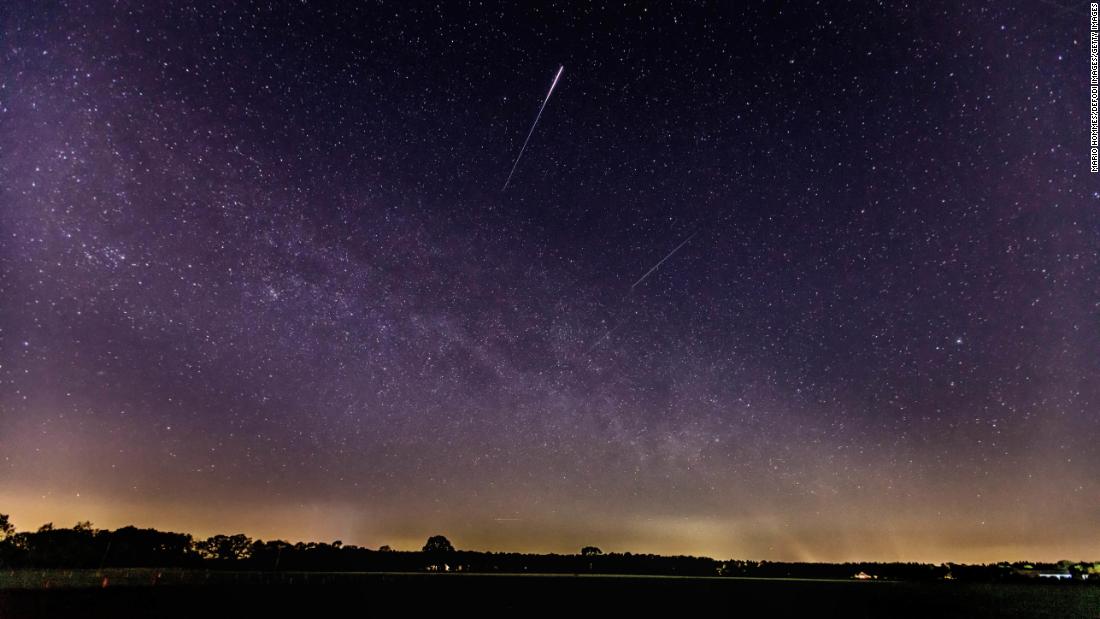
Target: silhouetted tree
{"x": 270, "y": 555}
{"x": 134, "y": 547}
{"x": 226, "y": 547}
{"x": 589, "y": 551}
{"x": 9, "y": 553}
{"x": 50, "y": 547}
{"x": 437, "y": 544}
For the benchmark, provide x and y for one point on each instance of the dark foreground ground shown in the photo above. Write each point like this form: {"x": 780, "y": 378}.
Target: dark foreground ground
{"x": 133, "y": 594}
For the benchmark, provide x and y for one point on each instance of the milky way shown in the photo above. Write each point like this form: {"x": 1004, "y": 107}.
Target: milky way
{"x": 258, "y": 275}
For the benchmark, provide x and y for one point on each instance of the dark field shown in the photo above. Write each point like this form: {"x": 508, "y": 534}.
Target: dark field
{"x": 131, "y": 593}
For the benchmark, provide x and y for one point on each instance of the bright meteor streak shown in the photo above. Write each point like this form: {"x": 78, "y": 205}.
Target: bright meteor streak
{"x": 533, "y": 125}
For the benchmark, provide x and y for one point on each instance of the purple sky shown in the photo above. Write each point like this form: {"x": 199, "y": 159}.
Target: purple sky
{"x": 257, "y": 274}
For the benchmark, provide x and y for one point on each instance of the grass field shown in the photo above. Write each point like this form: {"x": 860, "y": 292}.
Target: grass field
{"x": 194, "y": 593}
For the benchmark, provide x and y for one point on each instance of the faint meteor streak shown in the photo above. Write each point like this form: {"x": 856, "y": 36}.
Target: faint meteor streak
{"x": 533, "y": 125}
{"x": 641, "y": 279}
{"x": 658, "y": 265}
{"x": 606, "y": 335}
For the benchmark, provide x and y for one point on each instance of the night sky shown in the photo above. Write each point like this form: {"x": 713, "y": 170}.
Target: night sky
{"x": 258, "y": 274}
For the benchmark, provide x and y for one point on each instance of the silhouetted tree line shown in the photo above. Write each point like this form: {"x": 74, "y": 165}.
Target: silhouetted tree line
{"x": 83, "y": 546}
